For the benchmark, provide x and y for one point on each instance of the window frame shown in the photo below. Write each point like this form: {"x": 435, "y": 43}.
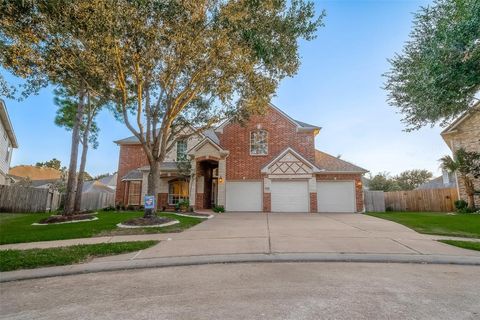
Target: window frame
{"x": 131, "y": 195}
{"x": 174, "y": 198}
{"x": 252, "y": 142}
{"x": 185, "y": 157}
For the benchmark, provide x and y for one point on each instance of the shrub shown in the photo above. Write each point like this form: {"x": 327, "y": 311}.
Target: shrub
{"x": 110, "y": 208}
{"x": 388, "y": 208}
{"x": 218, "y": 209}
{"x": 462, "y": 207}
{"x": 182, "y": 205}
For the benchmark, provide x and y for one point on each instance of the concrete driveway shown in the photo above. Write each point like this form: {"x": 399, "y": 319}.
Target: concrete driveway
{"x": 242, "y": 233}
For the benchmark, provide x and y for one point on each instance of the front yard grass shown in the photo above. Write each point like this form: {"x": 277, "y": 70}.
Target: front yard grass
{"x": 17, "y": 228}
{"x": 456, "y": 225}
{"x": 463, "y": 244}
{"x": 36, "y": 258}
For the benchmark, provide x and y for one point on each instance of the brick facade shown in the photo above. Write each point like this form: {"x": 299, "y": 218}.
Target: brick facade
{"x": 282, "y": 133}
{"x": 466, "y": 135}
{"x": 162, "y": 200}
{"x": 352, "y": 177}
{"x": 234, "y": 161}
{"x": 313, "y": 202}
{"x": 267, "y": 202}
{"x": 131, "y": 157}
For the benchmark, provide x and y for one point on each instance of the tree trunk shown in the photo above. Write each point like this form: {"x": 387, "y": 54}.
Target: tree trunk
{"x": 81, "y": 172}
{"x": 72, "y": 168}
{"x": 470, "y": 190}
{"x": 153, "y": 181}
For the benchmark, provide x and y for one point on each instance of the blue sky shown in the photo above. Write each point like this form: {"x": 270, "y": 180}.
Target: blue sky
{"x": 338, "y": 87}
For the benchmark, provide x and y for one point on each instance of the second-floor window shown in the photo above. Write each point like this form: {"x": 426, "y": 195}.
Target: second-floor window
{"x": 259, "y": 142}
{"x": 181, "y": 150}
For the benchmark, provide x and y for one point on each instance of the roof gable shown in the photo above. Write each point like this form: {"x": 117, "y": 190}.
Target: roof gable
{"x": 461, "y": 119}
{"x": 301, "y": 126}
{"x": 289, "y": 162}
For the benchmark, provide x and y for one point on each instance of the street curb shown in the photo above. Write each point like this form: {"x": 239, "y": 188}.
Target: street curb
{"x": 234, "y": 258}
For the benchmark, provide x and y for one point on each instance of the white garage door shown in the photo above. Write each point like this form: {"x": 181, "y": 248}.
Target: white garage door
{"x": 244, "y": 196}
{"x": 289, "y": 196}
{"x": 336, "y": 196}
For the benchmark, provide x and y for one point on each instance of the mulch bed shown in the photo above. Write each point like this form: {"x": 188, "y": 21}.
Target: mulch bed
{"x": 60, "y": 218}
{"x": 147, "y": 221}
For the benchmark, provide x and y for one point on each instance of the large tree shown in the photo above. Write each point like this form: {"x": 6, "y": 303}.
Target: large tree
{"x": 437, "y": 75}
{"x": 467, "y": 165}
{"x": 411, "y": 179}
{"x": 177, "y": 67}
{"x": 67, "y": 103}
{"x": 44, "y": 42}
{"x": 180, "y": 66}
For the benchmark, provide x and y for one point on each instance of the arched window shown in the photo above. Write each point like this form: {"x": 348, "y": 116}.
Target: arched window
{"x": 258, "y": 142}
{"x": 177, "y": 191}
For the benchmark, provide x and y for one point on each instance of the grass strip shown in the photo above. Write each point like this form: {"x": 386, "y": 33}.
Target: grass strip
{"x": 36, "y": 258}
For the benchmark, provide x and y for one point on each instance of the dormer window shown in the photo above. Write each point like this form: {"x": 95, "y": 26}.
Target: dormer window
{"x": 258, "y": 143}
{"x": 181, "y": 150}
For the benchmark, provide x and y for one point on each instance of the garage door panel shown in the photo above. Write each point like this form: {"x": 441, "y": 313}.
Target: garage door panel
{"x": 244, "y": 196}
{"x": 336, "y": 196}
{"x": 289, "y": 196}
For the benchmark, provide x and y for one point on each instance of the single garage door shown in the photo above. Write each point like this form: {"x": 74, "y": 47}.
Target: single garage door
{"x": 336, "y": 196}
{"x": 289, "y": 196}
{"x": 244, "y": 196}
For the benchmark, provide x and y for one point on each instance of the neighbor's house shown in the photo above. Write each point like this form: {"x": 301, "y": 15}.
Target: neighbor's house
{"x": 267, "y": 164}
{"x": 38, "y": 177}
{"x": 446, "y": 180}
{"x": 464, "y": 132}
{"x": 8, "y": 141}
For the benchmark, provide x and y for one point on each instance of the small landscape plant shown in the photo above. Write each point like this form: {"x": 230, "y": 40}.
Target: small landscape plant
{"x": 218, "y": 209}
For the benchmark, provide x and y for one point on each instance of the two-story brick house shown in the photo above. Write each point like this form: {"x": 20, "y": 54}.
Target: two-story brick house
{"x": 8, "y": 141}
{"x": 464, "y": 132}
{"x": 267, "y": 164}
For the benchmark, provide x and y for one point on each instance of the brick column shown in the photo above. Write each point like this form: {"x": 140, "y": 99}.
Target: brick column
{"x": 267, "y": 202}
{"x": 313, "y": 202}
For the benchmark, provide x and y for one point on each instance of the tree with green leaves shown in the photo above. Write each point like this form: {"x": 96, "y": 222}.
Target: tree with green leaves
{"x": 45, "y": 42}
{"x": 411, "y": 179}
{"x": 383, "y": 182}
{"x": 437, "y": 75}
{"x": 67, "y": 103}
{"x": 54, "y": 163}
{"x": 467, "y": 166}
{"x": 173, "y": 67}
{"x": 179, "y": 67}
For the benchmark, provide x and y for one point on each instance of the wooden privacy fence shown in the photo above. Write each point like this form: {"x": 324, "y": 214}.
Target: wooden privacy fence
{"x": 95, "y": 201}
{"x": 28, "y": 199}
{"x": 441, "y": 200}
{"x": 374, "y": 201}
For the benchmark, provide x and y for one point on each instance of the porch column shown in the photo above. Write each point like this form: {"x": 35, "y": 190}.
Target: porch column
{"x": 193, "y": 185}
{"x": 222, "y": 171}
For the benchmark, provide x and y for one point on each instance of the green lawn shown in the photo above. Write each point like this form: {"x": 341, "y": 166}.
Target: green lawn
{"x": 458, "y": 225}
{"x": 17, "y": 228}
{"x": 35, "y": 258}
{"x": 463, "y": 244}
